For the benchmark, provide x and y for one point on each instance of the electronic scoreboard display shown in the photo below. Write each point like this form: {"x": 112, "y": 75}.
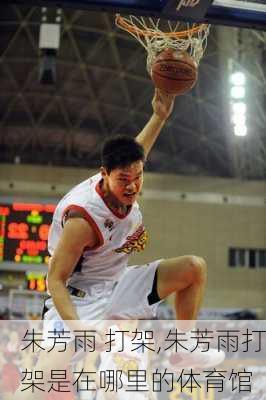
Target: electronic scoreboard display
{"x": 24, "y": 231}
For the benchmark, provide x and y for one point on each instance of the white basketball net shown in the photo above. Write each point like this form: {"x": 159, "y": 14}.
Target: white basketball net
{"x": 155, "y": 35}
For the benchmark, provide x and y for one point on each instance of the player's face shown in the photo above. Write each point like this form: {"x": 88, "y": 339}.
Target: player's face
{"x": 126, "y": 183}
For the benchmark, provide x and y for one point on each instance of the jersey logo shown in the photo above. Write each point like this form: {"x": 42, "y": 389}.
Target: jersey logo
{"x": 109, "y": 224}
{"x": 135, "y": 242}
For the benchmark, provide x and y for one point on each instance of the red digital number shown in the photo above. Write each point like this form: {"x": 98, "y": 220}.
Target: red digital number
{"x": 4, "y": 211}
{"x": 32, "y": 284}
{"x": 18, "y": 230}
{"x": 43, "y": 231}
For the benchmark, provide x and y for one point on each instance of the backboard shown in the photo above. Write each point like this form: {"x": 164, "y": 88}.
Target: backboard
{"x": 245, "y": 13}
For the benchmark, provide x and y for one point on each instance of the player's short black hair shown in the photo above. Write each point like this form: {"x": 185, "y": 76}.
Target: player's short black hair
{"x": 120, "y": 151}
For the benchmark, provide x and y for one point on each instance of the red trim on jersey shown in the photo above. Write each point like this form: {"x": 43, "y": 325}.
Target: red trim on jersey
{"x": 116, "y": 213}
{"x": 90, "y": 220}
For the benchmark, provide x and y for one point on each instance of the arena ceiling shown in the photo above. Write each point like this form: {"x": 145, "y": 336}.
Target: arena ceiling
{"x": 102, "y": 88}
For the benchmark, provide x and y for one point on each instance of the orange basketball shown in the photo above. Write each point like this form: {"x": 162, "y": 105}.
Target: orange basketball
{"x": 174, "y": 71}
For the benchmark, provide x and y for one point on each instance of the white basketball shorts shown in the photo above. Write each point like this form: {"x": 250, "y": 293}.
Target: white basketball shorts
{"x": 125, "y": 299}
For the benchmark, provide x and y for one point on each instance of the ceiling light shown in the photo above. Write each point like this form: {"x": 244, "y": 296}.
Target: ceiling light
{"x": 239, "y": 107}
{"x": 239, "y": 119}
{"x": 238, "y": 79}
{"x": 237, "y": 92}
{"x": 240, "y": 130}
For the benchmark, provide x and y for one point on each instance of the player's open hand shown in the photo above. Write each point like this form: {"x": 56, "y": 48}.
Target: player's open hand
{"x": 163, "y": 104}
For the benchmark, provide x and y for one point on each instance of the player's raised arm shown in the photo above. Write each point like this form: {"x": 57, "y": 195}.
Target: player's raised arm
{"x": 162, "y": 105}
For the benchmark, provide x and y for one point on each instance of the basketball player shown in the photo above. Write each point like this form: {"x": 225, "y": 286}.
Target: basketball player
{"x": 95, "y": 228}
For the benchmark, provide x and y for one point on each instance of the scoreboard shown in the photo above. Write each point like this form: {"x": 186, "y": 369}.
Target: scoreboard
{"x": 24, "y": 231}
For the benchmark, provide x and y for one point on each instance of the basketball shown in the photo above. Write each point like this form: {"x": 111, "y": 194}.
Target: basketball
{"x": 174, "y": 71}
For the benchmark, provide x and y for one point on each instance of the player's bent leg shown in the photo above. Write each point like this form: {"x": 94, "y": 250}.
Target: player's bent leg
{"x": 185, "y": 276}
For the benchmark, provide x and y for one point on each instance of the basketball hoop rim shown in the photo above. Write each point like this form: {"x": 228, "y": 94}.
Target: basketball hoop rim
{"x": 123, "y": 24}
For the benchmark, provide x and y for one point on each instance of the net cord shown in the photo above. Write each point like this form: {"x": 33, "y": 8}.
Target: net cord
{"x": 147, "y": 31}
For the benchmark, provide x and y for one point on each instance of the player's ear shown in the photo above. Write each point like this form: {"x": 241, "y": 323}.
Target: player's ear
{"x": 103, "y": 172}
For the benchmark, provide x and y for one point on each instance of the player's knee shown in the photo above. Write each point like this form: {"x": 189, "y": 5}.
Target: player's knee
{"x": 199, "y": 268}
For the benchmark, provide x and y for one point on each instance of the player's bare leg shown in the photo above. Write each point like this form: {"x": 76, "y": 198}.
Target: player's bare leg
{"x": 185, "y": 276}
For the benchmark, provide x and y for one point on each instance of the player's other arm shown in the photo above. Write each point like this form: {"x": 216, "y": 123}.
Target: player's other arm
{"x": 77, "y": 234}
{"x": 162, "y": 105}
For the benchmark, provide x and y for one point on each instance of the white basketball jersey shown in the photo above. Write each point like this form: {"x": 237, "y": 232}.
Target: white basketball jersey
{"x": 118, "y": 236}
